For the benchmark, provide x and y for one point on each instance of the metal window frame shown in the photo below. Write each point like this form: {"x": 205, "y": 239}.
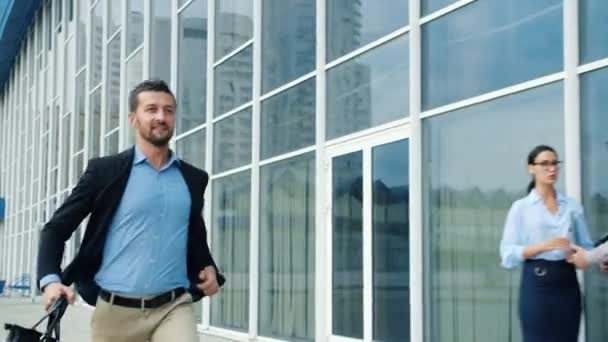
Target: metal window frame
{"x": 26, "y": 97}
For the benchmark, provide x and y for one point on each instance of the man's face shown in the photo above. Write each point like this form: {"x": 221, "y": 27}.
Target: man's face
{"x": 154, "y": 117}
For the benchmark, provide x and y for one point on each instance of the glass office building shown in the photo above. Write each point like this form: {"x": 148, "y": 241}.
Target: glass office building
{"x": 363, "y": 153}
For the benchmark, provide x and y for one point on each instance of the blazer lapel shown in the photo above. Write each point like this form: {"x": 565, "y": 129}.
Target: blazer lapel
{"x": 195, "y": 192}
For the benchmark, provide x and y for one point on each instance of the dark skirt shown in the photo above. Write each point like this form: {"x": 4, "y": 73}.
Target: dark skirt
{"x": 549, "y": 302}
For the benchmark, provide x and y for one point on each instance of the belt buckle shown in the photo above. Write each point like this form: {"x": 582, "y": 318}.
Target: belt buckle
{"x": 540, "y": 271}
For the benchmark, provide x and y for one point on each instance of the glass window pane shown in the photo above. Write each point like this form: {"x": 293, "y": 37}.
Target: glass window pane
{"x": 97, "y": 43}
{"x": 160, "y": 40}
{"x": 473, "y": 171}
{"x": 36, "y": 150}
{"x": 48, "y": 20}
{"x": 95, "y": 124}
{"x": 113, "y": 84}
{"x": 54, "y": 147}
{"x": 593, "y": 28}
{"x": 78, "y": 168}
{"x": 390, "y": 231}
{"x": 353, "y": 24}
{"x": 231, "y": 223}
{"x": 369, "y": 90}
{"x": 232, "y": 141}
{"x": 594, "y": 115}
{"x": 58, "y": 14}
{"x": 44, "y": 165}
{"x": 192, "y": 66}
{"x": 233, "y": 25}
{"x": 192, "y": 149}
{"x": 32, "y": 56}
{"x": 287, "y": 249}
{"x": 488, "y": 45}
{"x": 233, "y": 82}
{"x": 81, "y": 94}
{"x": 111, "y": 144}
{"x": 347, "y": 245}
{"x": 68, "y": 84}
{"x": 135, "y": 24}
{"x": 70, "y": 6}
{"x": 53, "y": 182}
{"x": 81, "y": 34}
{"x": 60, "y": 68}
{"x": 198, "y": 312}
{"x": 114, "y": 16}
{"x": 288, "y": 120}
{"x": 288, "y": 41}
{"x": 430, "y": 6}
{"x": 65, "y": 146}
{"x": 134, "y": 76}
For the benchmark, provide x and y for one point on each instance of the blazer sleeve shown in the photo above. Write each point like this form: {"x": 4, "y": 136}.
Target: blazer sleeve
{"x": 202, "y": 257}
{"x": 65, "y": 221}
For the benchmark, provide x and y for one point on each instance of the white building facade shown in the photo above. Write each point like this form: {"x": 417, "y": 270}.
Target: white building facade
{"x": 363, "y": 154}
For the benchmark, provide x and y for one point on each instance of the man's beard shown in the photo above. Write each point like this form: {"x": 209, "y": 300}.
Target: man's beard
{"x": 158, "y": 141}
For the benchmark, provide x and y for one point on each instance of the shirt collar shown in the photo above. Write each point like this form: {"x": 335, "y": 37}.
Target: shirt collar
{"x": 139, "y": 157}
{"x": 534, "y": 197}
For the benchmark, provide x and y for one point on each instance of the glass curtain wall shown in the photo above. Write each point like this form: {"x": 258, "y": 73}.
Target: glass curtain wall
{"x": 261, "y": 96}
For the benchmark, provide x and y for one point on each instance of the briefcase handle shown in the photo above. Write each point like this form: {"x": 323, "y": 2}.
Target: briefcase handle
{"x": 54, "y": 317}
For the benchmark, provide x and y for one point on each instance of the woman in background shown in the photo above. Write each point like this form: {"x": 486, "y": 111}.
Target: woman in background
{"x": 540, "y": 232}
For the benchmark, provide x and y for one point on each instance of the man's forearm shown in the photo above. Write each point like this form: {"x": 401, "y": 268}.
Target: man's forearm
{"x": 598, "y": 254}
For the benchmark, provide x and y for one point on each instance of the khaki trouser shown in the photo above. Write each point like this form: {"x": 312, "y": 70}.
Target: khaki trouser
{"x": 171, "y": 322}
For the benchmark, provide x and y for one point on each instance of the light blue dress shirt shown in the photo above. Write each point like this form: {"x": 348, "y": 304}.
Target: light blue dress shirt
{"x": 529, "y": 221}
{"x": 145, "y": 251}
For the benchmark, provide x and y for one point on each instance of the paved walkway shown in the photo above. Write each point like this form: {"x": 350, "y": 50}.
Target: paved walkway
{"x": 75, "y": 325}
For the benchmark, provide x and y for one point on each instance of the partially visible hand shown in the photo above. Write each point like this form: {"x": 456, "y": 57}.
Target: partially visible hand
{"x": 578, "y": 258}
{"x": 53, "y": 291}
{"x": 208, "y": 284}
{"x": 604, "y": 266}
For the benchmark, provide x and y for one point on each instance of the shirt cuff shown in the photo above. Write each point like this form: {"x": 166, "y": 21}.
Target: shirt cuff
{"x": 514, "y": 257}
{"x": 49, "y": 279}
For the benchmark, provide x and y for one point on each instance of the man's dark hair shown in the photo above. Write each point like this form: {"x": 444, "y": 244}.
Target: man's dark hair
{"x": 148, "y": 85}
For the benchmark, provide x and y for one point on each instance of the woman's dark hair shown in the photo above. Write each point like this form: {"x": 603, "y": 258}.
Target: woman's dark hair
{"x": 532, "y": 157}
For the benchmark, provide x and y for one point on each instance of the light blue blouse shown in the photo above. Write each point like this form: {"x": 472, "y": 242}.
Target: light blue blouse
{"x": 530, "y": 221}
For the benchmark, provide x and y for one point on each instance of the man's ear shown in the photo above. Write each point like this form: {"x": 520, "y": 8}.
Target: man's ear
{"x": 132, "y": 119}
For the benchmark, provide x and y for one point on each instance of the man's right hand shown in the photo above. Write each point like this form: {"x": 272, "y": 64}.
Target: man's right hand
{"x": 53, "y": 291}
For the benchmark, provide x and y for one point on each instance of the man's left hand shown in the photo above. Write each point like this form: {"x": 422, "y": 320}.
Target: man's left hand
{"x": 208, "y": 284}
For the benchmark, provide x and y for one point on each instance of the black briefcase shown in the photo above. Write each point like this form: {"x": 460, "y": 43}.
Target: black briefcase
{"x": 18, "y": 333}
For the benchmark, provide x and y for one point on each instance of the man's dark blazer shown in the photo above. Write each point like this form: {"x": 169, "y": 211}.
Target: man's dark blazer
{"x": 99, "y": 192}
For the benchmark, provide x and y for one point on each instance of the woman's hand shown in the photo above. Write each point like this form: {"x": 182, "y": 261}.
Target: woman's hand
{"x": 547, "y": 245}
{"x": 555, "y": 243}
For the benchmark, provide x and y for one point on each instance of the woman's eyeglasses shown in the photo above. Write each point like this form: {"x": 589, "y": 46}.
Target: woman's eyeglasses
{"x": 547, "y": 164}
